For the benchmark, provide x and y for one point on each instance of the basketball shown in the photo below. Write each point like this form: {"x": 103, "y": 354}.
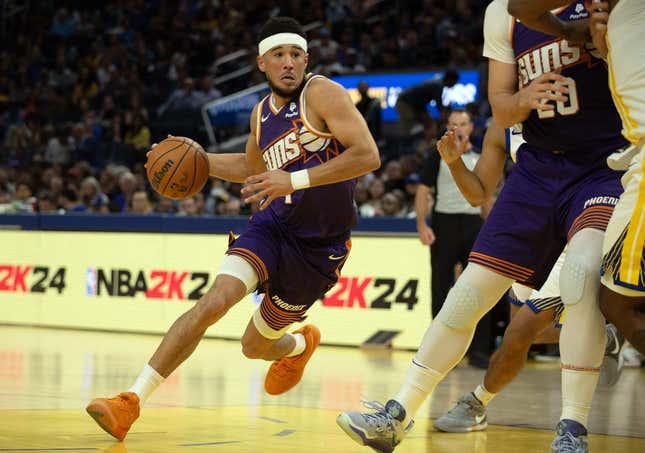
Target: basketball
{"x": 177, "y": 167}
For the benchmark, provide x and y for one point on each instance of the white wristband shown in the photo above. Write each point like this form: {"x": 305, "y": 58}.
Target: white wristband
{"x": 300, "y": 179}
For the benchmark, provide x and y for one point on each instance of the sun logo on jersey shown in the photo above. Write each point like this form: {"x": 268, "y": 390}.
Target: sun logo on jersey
{"x": 312, "y": 142}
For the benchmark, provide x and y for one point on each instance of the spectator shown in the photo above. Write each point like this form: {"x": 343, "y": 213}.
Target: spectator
{"x": 60, "y": 147}
{"x": 23, "y": 199}
{"x": 140, "y": 203}
{"x": 184, "y": 98}
{"x": 47, "y": 203}
{"x": 187, "y": 207}
{"x": 207, "y": 91}
{"x": 138, "y": 134}
{"x": 412, "y": 103}
{"x": 391, "y": 205}
{"x": 164, "y": 206}
{"x": 370, "y": 108}
{"x": 69, "y": 202}
{"x": 92, "y": 196}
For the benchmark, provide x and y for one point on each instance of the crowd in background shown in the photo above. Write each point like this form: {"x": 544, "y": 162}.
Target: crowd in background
{"x": 87, "y": 86}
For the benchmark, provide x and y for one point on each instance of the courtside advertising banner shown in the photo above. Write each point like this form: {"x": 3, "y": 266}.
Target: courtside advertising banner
{"x": 141, "y": 282}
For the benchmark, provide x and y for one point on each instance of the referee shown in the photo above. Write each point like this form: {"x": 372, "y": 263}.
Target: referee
{"x": 455, "y": 225}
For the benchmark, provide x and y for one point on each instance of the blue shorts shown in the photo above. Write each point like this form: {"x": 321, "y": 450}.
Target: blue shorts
{"x": 547, "y": 199}
{"x": 293, "y": 273}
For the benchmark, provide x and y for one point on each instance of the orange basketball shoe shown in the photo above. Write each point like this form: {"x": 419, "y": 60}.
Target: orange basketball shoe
{"x": 115, "y": 415}
{"x": 286, "y": 372}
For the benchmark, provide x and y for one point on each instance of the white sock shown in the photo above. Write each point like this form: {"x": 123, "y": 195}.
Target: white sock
{"x": 577, "y": 392}
{"x": 301, "y": 344}
{"x": 483, "y": 395}
{"x": 419, "y": 382}
{"x": 146, "y": 383}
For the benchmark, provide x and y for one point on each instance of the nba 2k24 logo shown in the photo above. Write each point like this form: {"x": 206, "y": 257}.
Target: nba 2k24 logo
{"x": 350, "y": 292}
{"x": 155, "y": 284}
{"x": 18, "y": 278}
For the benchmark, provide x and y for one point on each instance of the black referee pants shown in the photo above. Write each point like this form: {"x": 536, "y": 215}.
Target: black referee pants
{"x": 455, "y": 235}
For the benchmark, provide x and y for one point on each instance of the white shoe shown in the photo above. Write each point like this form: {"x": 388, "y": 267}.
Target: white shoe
{"x": 632, "y": 358}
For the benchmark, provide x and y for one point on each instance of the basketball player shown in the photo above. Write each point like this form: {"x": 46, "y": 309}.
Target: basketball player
{"x": 622, "y": 294}
{"x": 307, "y": 145}
{"x": 537, "y": 311}
{"x": 560, "y": 193}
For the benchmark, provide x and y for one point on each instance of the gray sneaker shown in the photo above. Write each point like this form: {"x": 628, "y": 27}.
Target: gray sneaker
{"x": 468, "y": 415}
{"x": 570, "y": 437}
{"x": 381, "y": 430}
{"x": 612, "y": 363}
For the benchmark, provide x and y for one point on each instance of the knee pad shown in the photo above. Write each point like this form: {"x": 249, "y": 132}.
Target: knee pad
{"x": 577, "y": 277}
{"x": 462, "y": 308}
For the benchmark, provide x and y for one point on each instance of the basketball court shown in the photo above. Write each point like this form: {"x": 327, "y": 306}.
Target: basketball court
{"x": 216, "y": 401}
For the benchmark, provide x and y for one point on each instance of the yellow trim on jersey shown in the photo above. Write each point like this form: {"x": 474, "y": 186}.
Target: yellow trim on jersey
{"x": 628, "y": 123}
{"x": 632, "y": 252}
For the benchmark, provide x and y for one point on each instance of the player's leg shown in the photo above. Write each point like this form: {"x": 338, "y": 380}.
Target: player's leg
{"x": 235, "y": 280}
{"x": 480, "y": 348}
{"x": 266, "y": 338}
{"x": 290, "y": 292}
{"x": 622, "y": 295}
{"x": 509, "y": 248}
{"x": 475, "y": 292}
{"x": 627, "y": 314}
{"x": 582, "y": 340}
{"x": 470, "y": 412}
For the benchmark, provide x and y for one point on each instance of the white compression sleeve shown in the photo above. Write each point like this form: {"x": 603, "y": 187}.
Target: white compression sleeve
{"x": 582, "y": 340}
{"x": 447, "y": 339}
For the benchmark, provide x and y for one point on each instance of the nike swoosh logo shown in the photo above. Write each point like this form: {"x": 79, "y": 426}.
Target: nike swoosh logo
{"x": 480, "y": 418}
{"x": 264, "y": 118}
{"x": 335, "y": 258}
{"x": 515, "y": 133}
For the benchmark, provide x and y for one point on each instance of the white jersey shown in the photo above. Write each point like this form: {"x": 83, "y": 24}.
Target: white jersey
{"x": 626, "y": 59}
{"x": 623, "y": 267}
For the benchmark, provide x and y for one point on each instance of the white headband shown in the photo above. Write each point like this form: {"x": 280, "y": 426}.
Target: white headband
{"x": 281, "y": 39}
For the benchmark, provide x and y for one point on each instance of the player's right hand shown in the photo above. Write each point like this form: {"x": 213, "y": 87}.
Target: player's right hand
{"x": 452, "y": 146}
{"x": 547, "y": 87}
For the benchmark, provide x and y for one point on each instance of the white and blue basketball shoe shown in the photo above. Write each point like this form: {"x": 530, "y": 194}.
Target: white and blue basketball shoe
{"x": 381, "y": 430}
{"x": 570, "y": 437}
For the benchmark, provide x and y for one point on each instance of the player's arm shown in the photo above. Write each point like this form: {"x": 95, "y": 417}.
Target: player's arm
{"x": 509, "y": 105}
{"x": 477, "y": 185}
{"x": 236, "y": 167}
{"x": 538, "y": 16}
{"x": 421, "y": 207}
{"x": 332, "y": 104}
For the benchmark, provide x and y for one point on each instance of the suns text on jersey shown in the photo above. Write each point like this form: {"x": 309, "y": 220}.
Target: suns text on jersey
{"x": 282, "y": 151}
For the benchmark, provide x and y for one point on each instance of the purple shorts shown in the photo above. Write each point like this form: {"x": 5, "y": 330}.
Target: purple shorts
{"x": 293, "y": 273}
{"x": 545, "y": 201}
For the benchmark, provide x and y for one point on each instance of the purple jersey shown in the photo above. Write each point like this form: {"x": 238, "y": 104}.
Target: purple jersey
{"x": 289, "y": 142}
{"x": 587, "y": 122}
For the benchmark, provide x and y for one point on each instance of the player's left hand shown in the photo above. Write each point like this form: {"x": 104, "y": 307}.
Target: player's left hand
{"x": 266, "y": 187}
